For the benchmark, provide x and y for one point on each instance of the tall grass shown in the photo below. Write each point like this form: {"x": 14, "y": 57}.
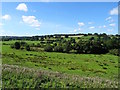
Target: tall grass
{"x": 23, "y": 77}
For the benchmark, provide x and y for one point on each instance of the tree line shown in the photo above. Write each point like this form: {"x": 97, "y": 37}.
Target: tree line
{"x": 100, "y": 46}
{"x": 103, "y": 44}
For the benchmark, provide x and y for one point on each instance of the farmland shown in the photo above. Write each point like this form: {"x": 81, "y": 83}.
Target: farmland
{"x": 38, "y": 68}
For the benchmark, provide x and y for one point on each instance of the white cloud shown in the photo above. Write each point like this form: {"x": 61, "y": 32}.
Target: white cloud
{"x": 104, "y": 26}
{"x": 112, "y": 24}
{"x": 33, "y": 10}
{"x": 111, "y": 21}
{"x": 22, "y": 7}
{"x": 6, "y": 17}
{"x": 37, "y": 28}
{"x": 114, "y": 11}
{"x": 109, "y": 18}
{"x": 90, "y": 22}
{"x": 75, "y": 30}
{"x": 79, "y": 29}
{"x": 109, "y": 30}
{"x": 32, "y": 21}
{"x": 92, "y": 27}
{"x": 81, "y": 24}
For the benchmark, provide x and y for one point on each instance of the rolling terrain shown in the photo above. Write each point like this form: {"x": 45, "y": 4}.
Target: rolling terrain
{"x": 35, "y": 69}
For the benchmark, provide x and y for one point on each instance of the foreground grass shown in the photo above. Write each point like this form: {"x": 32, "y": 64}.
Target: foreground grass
{"x": 22, "y": 77}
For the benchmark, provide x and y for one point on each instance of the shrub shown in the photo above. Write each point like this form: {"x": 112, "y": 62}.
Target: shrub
{"x": 48, "y": 48}
{"x": 55, "y": 44}
{"x": 114, "y": 52}
{"x": 17, "y": 45}
{"x": 38, "y": 45}
{"x": 67, "y": 46}
{"x": 23, "y": 43}
{"x": 12, "y": 46}
{"x": 104, "y": 67}
{"x": 58, "y": 49}
{"x": 66, "y": 36}
{"x": 28, "y": 48}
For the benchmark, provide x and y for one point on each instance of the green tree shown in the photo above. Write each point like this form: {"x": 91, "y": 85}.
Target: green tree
{"x": 58, "y": 49}
{"x": 79, "y": 46}
{"x": 17, "y": 45}
{"x": 66, "y": 36}
{"x": 72, "y": 40}
{"x": 27, "y": 47}
{"x": 67, "y": 46}
{"x": 48, "y": 48}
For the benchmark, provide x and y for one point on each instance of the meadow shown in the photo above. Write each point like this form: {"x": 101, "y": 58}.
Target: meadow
{"x": 36, "y": 69}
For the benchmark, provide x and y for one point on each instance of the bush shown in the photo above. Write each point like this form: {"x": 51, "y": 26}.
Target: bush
{"x": 114, "y": 52}
{"x": 55, "y": 44}
{"x": 58, "y": 49}
{"x": 12, "y": 46}
{"x": 23, "y": 43}
{"x": 17, "y": 45}
{"x": 66, "y": 36}
{"x": 67, "y": 46}
{"x": 48, "y": 48}
{"x": 38, "y": 45}
{"x": 28, "y": 48}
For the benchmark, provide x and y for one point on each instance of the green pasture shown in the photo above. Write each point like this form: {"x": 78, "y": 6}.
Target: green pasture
{"x": 80, "y": 64}
{"x": 103, "y": 66}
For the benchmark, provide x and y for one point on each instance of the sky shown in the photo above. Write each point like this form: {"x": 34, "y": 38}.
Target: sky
{"x": 44, "y": 18}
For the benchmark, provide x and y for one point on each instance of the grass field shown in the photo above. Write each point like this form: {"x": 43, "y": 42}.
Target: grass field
{"x": 57, "y": 69}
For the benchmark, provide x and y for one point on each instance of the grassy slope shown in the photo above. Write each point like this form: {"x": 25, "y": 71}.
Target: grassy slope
{"x": 81, "y": 64}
